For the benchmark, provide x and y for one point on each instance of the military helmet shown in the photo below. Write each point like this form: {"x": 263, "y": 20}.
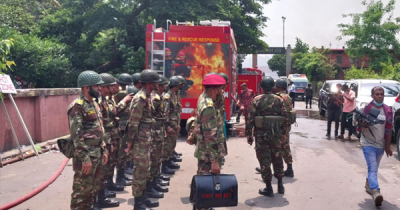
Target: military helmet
{"x": 89, "y": 78}
{"x": 131, "y": 89}
{"x": 181, "y": 79}
{"x": 136, "y": 78}
{"x": 174, "y": 81}
{"x": 225, "y": 77}
{"x": 209, "y": 74}
{"x": 125, "y": 79}
{"x": 164, "y": 80}
{"x": 108, "y": 79}
{"x": 189, "y": 123}
{"x": 267, "y": 83}
{"x": 281, "y": 83}
{"x": 149, "y": 76}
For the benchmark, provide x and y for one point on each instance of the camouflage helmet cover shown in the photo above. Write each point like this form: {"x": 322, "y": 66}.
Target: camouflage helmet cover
{"x": 136, "y": 78}
{"x": 89, "y": 78}
{"x": 174, "y": 81}
{"x": 281, "y": 83}
{"x": 108, "y": 79}
{"x": 131, "y": 89}
{"x": 181, "y": 79}
{"x": 164, "y": 80}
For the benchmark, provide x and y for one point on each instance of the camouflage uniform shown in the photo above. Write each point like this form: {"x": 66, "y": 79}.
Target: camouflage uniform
{"x": 286, "y": 154}
{"x": 109, "y": 112}
{"x": 268, "y": 142}
{"x": 209, "y": 145}
{"x": 158, "y": 134}
{"x": 190, "y": 128}
{"x": 139, "y": 134}
{"x": 220, "y": 108}
{"x": 123, "y": 120}
{"x": 172, "y": 119}
{"x": 87, "y": 134}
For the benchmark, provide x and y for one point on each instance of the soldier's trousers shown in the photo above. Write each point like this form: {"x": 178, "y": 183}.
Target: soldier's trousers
{"x": 169, "y": 146}
{"x": 141, "y": 166}
{"x": 268, "y": 150}
{"x": 85, "y": 187}
{"x": 204, "y": 167}
{"x": 122, "y": 156}
{"x": 155, "y": 158}
{"x": 286, "y": 153}
{"x": 113, "y": 158}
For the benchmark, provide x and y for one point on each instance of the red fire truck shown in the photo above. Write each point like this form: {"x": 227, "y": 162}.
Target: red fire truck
{"x": 252, "y": 77}
{"x": 192, "y": 51}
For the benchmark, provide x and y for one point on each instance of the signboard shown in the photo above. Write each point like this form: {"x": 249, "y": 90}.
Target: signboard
{"x": 273, "y": 50}
{"x": 6, "y": 85}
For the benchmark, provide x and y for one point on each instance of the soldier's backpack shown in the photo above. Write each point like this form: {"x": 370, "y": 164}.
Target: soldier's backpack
{"x": 66, "y": 147}
{"x": 207, "y": 191}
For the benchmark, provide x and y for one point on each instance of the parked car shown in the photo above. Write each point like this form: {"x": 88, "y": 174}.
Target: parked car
{"x": 396, "y": 123}
{"x": 362, "y": 88}
{"x": 329, "y": 87}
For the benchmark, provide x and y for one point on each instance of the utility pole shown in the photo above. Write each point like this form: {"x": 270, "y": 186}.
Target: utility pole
{"x": 283, "y": 19}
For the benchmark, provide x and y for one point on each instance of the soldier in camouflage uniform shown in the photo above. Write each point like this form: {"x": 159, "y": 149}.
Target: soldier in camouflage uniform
{"x": 124, "y": 80}
{"x": 281, "y": 89}
{"x": 268, "y": 118}
{"x": 221, "y": 110}
{"x": 87, "y": 134}
{"x": 158, "y": 134}
{"x": 172, "y": 126}
{"x": 177, "y": 156}
{"x": 139, "y": 138}
{"x": 209, "y": 148}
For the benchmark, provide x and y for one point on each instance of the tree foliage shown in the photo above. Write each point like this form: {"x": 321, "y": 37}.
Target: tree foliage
{"x": 278, "y": 63}
{"x": 372, "y": 33}
{"x": 301, "y": 47}
{"x": 389, "y": 71}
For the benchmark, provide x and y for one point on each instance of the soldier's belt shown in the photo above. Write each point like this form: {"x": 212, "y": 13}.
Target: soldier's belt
{"x": 268, "y": 121}
{"x": 93, "y": 142}
{"x": 145, "y": 125}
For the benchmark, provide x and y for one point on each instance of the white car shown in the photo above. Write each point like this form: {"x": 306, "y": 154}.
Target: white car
{"x": 363, "y": 87}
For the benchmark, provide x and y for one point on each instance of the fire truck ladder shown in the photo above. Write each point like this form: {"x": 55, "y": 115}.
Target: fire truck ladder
{"x": 157, "y": 52}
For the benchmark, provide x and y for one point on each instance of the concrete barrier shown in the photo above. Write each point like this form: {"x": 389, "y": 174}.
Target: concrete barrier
{"x": 44, "y": 113}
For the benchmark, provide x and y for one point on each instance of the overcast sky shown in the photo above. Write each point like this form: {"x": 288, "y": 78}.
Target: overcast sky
{"x": 313, "y": 21}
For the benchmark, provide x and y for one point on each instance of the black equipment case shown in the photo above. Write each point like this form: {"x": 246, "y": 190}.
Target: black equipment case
{"x": 209, "y": 191}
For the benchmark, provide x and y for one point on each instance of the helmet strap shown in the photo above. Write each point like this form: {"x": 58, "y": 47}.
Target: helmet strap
{"x": 108, "y": 87}
{"x": 93, "y": 93}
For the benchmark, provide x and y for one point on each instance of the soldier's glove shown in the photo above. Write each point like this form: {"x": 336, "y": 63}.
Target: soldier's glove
{"x": 250, "y": 140}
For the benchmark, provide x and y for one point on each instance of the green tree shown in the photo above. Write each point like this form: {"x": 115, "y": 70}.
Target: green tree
{"x": 316, "y": 65}
{"x": 278, "y": 63}
{"x": 371, "y": 35}
{"x": 301, "y": 47}
{"x": 5, "y": 48}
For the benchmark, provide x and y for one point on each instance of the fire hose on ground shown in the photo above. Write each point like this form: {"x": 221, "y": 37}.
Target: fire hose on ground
{"x": 37, "y": 190}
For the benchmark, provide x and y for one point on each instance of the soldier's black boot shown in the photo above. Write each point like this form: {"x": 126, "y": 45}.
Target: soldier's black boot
{"x": 150, "y": 192}
{"x": 268, "y": 191}
{"x": 108, "y": 193}
{"x": 281, "y": 189}
{"x": 175, "y": 153}
{"x": 112, "y": 186}
{"x": 162, "y": 182}
{"x": 104, "y": 202}
{"x": 165, "y": 178}
{"x": 128, "y": 168}
{"x": 158, "y": 187}
{"x": 176, "y": 158}
{"x": 289, "y": 171}
{"x": 148, "y": 202}
{"x": 96, "y": 204}
{"x": 173, "y": 165}
{"x": 139, "y": 204}
{"x": 165, "y": 169}
{"x": 127, "y": 178}
{"x": 121, "y": 178}
{"x": 258, "y": 169}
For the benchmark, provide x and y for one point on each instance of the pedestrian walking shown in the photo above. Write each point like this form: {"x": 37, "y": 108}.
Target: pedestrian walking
{"x": 244, "y": 101}
{"x": 139, "y": 138}
{"x": 268, "y": 120}
{"x": 348, "y": 107}
{"x": 335, "y": 102}
{"x": 87, "y": 133}
{"x": 375, "y": 140}
{"x": 292, "y": 92}
{"x": 309, "y": 95}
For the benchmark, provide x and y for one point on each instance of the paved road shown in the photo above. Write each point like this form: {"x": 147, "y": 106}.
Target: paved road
{"x": 329, "y": 174}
